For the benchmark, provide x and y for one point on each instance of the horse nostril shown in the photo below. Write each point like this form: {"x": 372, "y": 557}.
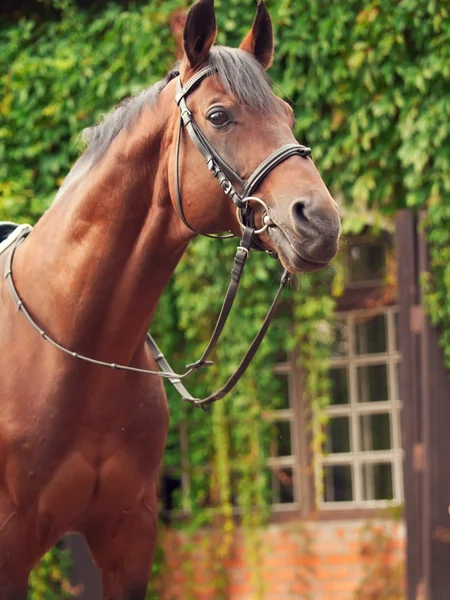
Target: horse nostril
{"x": 298, "y": 213}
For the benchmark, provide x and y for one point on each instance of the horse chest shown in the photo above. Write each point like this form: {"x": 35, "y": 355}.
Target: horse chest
{"x": 77, "y": 442}
{"x": 82, "y": 487}
{"x": 101, "y": 449}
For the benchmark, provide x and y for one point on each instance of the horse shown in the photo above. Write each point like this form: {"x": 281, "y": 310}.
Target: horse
{"x": 81, "y": 445}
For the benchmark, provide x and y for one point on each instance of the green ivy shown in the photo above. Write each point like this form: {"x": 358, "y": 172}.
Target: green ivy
{"x": 51, "y": 579}
{"x": 369, "y": 83}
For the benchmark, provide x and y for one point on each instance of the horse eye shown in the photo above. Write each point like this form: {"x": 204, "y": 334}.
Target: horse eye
{"x": 218, "y": 118}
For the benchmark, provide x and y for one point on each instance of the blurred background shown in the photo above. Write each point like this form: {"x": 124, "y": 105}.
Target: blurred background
{"x": 326, "y": 473}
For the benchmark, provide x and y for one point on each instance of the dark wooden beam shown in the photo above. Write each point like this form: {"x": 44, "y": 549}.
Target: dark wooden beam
{"x": 410, "y": 393}
{"x": 436, "y": 438}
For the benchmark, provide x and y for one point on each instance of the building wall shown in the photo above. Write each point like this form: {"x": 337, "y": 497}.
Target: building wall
{"x": 326, "y": 560}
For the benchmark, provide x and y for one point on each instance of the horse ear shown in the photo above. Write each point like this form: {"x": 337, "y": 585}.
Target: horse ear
{"x": 199, "y": 32}
{"x": 259, "y": 40}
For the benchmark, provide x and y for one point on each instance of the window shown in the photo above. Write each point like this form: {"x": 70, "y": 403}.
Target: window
{"x": 283, "y": 471}
{"x": 284, "y": 467}
{"x": 362, "y": 462}
{"x": 366, "y": 260}
{"x": 361, "y": 466}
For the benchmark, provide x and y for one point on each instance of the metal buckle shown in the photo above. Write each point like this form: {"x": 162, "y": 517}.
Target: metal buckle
{"x": 243, "y": 249}
{"x": 187, "y": 112}
{"x": 226, "y": 186}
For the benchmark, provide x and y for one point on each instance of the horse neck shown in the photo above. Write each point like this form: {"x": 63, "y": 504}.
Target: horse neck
{"x": 100, "y": 258}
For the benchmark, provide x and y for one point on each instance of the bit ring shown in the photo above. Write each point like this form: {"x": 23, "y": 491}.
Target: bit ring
{"x": 266, "y": 219}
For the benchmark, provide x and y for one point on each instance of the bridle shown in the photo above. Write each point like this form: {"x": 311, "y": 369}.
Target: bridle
{"x": 221, "y": 170}
{"x": 245, "y": 216}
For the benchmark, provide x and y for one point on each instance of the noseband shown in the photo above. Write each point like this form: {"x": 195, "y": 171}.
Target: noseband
{"x": 225, "y": 175}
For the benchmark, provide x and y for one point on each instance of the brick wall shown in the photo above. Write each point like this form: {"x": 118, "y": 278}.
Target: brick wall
{"x": 322, "y": 560}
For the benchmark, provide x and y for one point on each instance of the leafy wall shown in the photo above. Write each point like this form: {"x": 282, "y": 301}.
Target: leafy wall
{"x": 369, "y": 82}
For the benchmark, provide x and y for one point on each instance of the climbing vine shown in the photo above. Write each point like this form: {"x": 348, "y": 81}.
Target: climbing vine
{"x": 369, "y": 83}
{"x": 51, "y": 579}
{"x": 383, "y": 564}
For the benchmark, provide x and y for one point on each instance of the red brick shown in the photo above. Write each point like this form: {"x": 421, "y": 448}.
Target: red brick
{"x": 317, "y": 560}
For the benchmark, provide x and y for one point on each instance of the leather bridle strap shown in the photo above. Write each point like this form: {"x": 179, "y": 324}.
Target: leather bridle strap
{"x": 224, "y": 174}
{"x": 233, "y": 380}
{"x": 236, "y": 274}
{"x": 178, "y": 192}
{"x": 215, "y": 164}
{"x": 240, "y": 259}
{"x": 270, "y": 163}
{"x": 166, "y": 370}
{"x": 220, "y": 169}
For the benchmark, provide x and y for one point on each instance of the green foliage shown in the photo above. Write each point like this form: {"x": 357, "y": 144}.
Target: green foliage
{"x": 369, "y": 82}
{"x": 312, "y": 318}
{"x": 56, "y": 78}
{"x": 437, "y": 286}
{"x": 50, "y": 580}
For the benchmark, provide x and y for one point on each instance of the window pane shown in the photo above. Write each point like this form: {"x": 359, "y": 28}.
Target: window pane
{"x": 282, "y": 398}
{"x": 400, "y": 430}
{"x": 338, "y": 435}
{"x": 275, "y": 481}
{"x": 373, "y": 383}
{"x": 281, "y": 438}
{"x": 170, "y": 490}
{"x": 339, "y": 386}
{"x": 338, "y": 483}
{"x": 375, "y": 432}
{"x": 367, "y": 262}
{"x": 370, "y": 335}
{"x": 284, "y": 485}
{"x": 377, "y": 481}
{"x": 339, "y": 347}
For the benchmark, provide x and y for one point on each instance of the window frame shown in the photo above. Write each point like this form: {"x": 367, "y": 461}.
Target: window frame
{"x": 299, "y": 460}
{"x": 357, "y": 457}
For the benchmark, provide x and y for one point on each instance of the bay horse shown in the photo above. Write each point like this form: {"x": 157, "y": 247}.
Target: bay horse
{"x": 81, "y": 445}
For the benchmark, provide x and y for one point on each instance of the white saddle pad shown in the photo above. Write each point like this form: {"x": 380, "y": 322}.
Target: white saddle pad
{"x": 13, "y": 236}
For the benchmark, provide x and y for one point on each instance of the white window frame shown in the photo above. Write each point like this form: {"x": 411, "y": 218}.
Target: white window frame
{"x": 291, "y": 416}
{"x": 356, "y": 458}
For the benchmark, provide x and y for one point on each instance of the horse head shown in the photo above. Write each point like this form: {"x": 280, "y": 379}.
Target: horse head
{"x": 242, "y": 123}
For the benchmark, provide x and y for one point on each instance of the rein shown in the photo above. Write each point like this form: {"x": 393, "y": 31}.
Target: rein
{"x": 245, "y": 215}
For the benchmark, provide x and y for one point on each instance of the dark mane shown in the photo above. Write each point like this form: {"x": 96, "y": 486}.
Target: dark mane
{"x": 240, "y": 74}
{"x": 243, "y": 77}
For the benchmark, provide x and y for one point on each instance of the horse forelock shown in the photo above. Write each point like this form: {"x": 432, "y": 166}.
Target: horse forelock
{"x": 243, "y": 77}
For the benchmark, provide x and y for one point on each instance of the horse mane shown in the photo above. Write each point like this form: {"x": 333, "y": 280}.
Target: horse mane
{"x": 100, "y": 136}
{"x": 239, "y": 72}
